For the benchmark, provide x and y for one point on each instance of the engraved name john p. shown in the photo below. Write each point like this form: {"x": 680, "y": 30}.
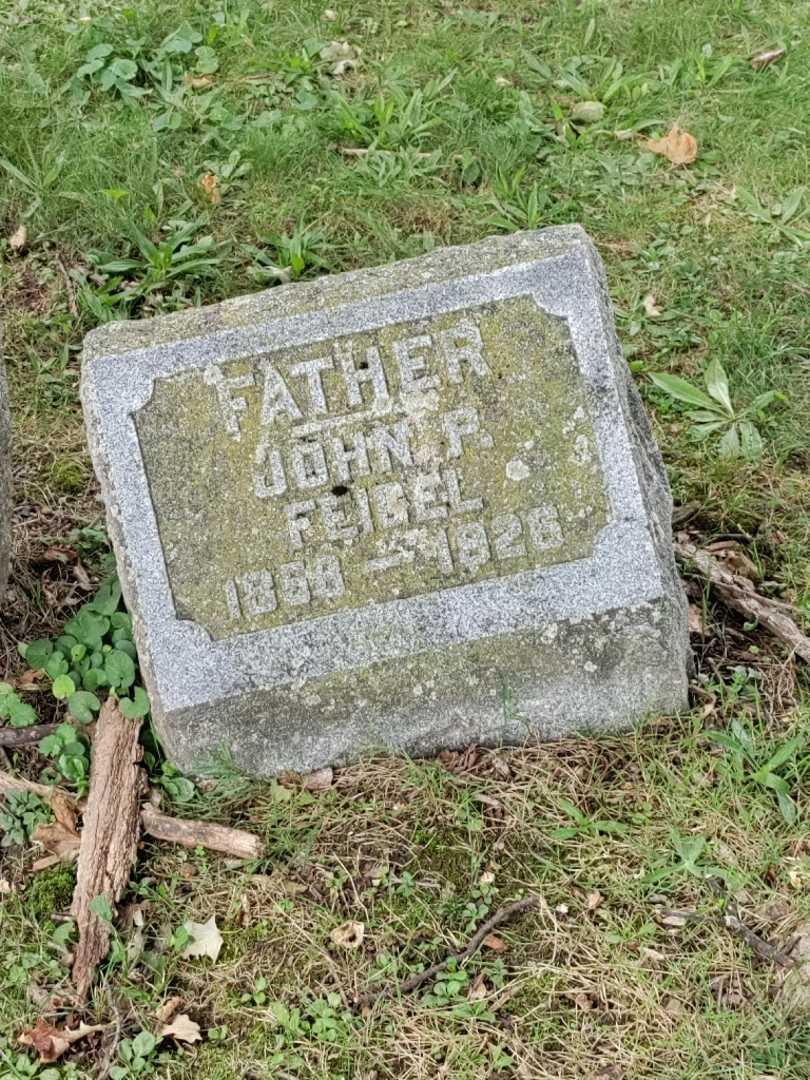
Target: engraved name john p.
{"x": 379, "y": 465}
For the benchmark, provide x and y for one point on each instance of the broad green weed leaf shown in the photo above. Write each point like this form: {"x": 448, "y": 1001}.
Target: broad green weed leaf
{"x": 136, "y": 706}
{"x": 572, "y": 811}
{"x": 124, "y": 69}
{"x": 98, "y": 52}
{"x": 119, "y": 669}
{"x": 787, "y": 807}
{"x": 82, "y": 704}
{"x": 750, "y": 440}
{"x": 63, "y": 687}
{"x": 785, "y": 752}
{"x": 717, "y": 385}
{"x": 681, "y": 390}
{"x": 126, "y": 646}
{"x": 37, "y": 653}
{"x": 88, "y": 627}
{"x": 106, "y": 600}
{"x": 705, "y": 416}
{"x": 56, "y": 665}
{"x": 761, "y": 401}
{"x": 703, "y": 431}
{"x": 729, "y": 445}
{"x": 21, "y": 714}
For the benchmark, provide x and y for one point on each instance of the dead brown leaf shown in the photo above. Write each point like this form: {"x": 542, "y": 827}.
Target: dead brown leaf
{"x": 206, "y": 939}
{"x": 29, "y": 680}
{"x": 183, "y": 1029}
{"x": 50, "y": 1043}
{"x": 488, "y": 800}
{"x": 319, "y": 780}
{"x": 653, "y": 954}
{"x": 582, "y": 1000}
{"x": 678, "y": 146}
{"x": 651, "y": 308}
{"x": 492, "y": 941}
{"x": 61, "y": 838}
{"x": 343, "y": 56}
{"x": 593, "y": 900}
{"x": 694, "y": 622}
{"x": 673, "y": 921}
{"x": 673, "y": 1007}
{"x": 18, "y": 239}
{"x": 209, "y": 182}
{"x": 167, "y": 1010}
{"x": 735, "y": 559}
{"x": 766, "y": 57}
{"x": 292, "y": 888}
{"x": 349, "y": 935}
{"x": 478, "y": 988}
{"x": 58, "y": 553}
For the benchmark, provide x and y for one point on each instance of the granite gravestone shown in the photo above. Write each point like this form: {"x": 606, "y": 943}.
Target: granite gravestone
{"x": 6, "y": 504}
{"x": 411, "y": 507}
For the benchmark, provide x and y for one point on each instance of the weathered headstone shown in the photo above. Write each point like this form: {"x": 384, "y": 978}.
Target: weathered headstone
{"x": 408, "y": 507}
{"x": 6, "y": 505}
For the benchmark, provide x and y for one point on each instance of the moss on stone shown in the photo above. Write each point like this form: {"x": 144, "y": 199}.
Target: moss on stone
{"x": 542, "y": 461}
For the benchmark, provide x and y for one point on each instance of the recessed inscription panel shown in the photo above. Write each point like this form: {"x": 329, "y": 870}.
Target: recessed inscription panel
{"x": 376, "y": 466}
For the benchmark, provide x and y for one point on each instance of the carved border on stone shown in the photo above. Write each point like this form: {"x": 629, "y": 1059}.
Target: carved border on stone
{"x": 180, "y": 669}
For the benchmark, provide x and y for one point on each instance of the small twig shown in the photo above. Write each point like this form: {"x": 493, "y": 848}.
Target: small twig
{"x": 73, "y": 307}
{"x": 24, "y": 736}
{"x": 502, "y": 915}
{"x": 237, "y": 843}
{"x": 687, "y": 916}
{"x": 14, "y": 783}
{"x": 757, "y": 944}
{"x": 738, "y": 594}
{"x": 682, "y": 514}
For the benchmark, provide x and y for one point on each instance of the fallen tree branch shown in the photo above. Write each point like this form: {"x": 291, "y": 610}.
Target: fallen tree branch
{"x": 738, "y": 593}
{"x": 10, "y": 783}
{"x": 237, "y": 843}
{"x": 109, "y": 836}
{"x": 13, "y": 737}
{"x": 502, "y": 915}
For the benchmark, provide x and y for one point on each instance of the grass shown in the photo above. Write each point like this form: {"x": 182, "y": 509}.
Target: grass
{"x": 459, "y": 120}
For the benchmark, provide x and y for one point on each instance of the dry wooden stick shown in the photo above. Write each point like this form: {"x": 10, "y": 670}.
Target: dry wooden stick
{"x": 738, "y": 593}
{"x": 238, "y": 843}
{"x": 71, "y": 292}
{"x": 191, "y": 834}
{"x": 14, "y": 783}
{"x": 109, "y": 836}
{"x": 757, "y": 944}
{"x": 502, "y": 915}
{"x": 11, "y": 738}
